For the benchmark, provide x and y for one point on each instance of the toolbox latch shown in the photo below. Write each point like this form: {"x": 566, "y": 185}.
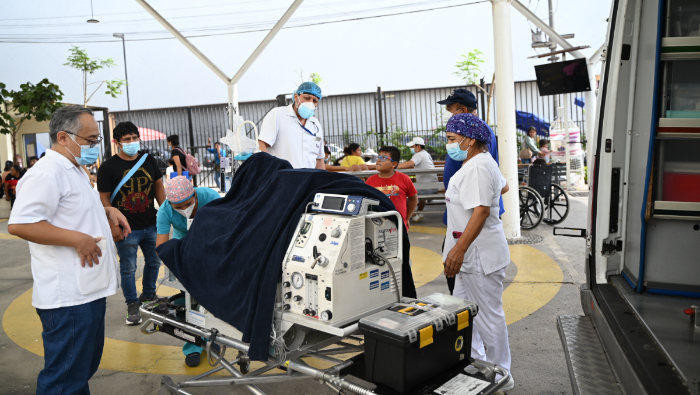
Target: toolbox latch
{"x": 426, "y": 336}
{"x": 462, "y": 320}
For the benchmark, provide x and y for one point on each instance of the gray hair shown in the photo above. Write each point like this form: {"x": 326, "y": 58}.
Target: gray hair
{"x": 66, "y": 119}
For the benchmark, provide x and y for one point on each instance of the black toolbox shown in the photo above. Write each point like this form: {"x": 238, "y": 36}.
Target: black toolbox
{"x": 415, "y": 340}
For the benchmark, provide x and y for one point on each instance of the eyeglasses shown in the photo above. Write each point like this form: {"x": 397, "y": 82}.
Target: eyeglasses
{"x": 91, "y": 142}
{"x": 382, "y": 158}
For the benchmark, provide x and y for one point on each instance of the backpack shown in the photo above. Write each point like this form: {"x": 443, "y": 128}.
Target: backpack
{"x": 191, "y": 163}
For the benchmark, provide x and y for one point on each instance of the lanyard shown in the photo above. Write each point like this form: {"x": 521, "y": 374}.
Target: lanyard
{"x": 307, "y": 130}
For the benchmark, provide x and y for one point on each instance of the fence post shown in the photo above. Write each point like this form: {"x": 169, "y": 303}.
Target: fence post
{"x": 380, "y": 115}
{"x": 482, "y": 83}
{"x": 191, "y": 132}
{"x": 106, "y": 134}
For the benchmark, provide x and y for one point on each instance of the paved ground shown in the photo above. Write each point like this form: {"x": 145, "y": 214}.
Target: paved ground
{"x": 532, "y": 303}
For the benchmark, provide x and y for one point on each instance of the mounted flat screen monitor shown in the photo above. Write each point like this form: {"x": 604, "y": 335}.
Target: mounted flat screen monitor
{"x": 563, "y": 77}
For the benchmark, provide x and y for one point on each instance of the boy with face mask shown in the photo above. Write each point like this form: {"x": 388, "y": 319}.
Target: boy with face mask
{"x": 179, "y": 211}
{"x": 133, "y": 194}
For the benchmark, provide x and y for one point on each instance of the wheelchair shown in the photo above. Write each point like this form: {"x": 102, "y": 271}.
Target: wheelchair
{"x": 542, "y": 198}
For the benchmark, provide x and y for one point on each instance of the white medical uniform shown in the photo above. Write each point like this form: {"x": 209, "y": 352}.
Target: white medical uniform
{"x": 300, "y": 145}
{"x": 479, "y": 183}
{"x": 58, "y": 192}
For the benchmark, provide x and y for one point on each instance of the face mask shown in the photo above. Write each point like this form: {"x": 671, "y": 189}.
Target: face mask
{"x": 446, "y": 115}
{"x": 412, "y": 150}
{"x": 88, "y": 155}
{"x": 457, "y": 153}
{"x": 131, "y": 149}
{"x": 306, "y": 109}
{"x": 188, "y": 211}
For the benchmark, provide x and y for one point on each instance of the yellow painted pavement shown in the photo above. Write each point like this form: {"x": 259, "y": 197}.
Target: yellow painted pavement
{"x": 537, "y": 282}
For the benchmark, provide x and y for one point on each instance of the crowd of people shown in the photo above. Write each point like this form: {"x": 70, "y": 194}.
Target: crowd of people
{"x": 84, "y": 243}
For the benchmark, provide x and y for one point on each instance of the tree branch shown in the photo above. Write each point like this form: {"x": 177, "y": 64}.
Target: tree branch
{"x": 93, "y": 93}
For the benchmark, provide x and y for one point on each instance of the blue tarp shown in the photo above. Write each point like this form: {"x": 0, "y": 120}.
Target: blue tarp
{"x": 523, "y": 121}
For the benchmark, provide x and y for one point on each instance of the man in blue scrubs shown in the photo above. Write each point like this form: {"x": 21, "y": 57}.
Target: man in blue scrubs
{"x": 462, "y": 101}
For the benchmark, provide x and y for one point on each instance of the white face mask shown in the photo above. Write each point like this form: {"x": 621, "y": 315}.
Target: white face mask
{"x": 187, "y": 213}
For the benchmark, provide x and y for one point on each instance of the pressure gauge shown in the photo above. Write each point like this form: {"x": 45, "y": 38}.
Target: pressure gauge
{"x": 297, "y": 280}
{"x": 326, "y": 315}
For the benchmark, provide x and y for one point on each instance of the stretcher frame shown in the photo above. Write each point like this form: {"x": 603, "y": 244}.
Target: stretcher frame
{"x": 316, "y": 345}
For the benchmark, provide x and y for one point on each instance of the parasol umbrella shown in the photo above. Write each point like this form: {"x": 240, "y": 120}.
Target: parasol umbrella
{"x": 147, "y": 134}
{"x": 523, "y": 121}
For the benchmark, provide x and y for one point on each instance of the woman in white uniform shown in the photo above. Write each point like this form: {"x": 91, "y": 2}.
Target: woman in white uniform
{"x": 476, "y": 251}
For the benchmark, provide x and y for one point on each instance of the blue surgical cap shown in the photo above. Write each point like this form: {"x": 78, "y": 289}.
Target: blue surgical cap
{"x": 310, "y": 88}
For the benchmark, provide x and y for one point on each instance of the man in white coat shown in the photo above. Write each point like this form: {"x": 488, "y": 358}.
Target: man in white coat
{"x": 73, "y": 256}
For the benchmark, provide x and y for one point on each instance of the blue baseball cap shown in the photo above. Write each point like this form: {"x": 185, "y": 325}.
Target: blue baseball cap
{"x": 461, "y": 96}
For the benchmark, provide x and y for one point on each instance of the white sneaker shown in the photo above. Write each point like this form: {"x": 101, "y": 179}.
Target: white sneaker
{"x": 417, "y": 217}
{"x": 510, "y": 384}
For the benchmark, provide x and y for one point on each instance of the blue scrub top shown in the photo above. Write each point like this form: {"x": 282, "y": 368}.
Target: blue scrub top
{"x": 452, "y": 166}
{"x": 168, "y": 216}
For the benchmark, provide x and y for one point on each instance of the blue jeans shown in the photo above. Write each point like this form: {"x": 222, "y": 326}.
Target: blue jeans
{"x": 73, "y": 341}
{"x": 524, "y": 161}
{"x": 127, "y": 248}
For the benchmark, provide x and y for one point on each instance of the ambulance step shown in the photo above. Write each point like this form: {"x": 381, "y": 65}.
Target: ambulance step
{"x": 589, "y": 369}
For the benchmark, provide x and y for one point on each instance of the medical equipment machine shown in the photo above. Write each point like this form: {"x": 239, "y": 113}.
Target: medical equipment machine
{"x": 341, "y": 268}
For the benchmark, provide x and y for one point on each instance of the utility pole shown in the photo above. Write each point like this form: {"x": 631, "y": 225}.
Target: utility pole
{"x": 505, "y": 118}
{"x": 126, "y": 76}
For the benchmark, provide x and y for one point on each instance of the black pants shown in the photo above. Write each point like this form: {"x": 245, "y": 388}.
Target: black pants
{"x": 450, "y": 280}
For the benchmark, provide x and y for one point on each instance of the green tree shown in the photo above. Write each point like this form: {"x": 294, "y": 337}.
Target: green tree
{"x": 31, "y": 101}
{"x": 80, "y": 60}
{"x": 468, "y": 68}
{"x": 313, "y": 77}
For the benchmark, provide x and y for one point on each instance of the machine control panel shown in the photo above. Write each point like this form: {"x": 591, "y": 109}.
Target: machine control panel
{"x": 342, "y": 204}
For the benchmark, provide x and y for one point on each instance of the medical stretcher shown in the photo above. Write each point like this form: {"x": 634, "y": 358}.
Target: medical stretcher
{"x": 338, "y": 306}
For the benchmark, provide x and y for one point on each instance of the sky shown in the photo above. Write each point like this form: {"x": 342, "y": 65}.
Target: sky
{"x": 417, "y": 48}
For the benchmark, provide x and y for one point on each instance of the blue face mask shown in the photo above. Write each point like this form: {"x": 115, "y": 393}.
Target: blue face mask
{"x": 457, "y": 153}
{"x": 306, "y": 110}
{"x": 131, "y": 149}
{"x": 412, "y": 150}
{"x": 88, "y": 155}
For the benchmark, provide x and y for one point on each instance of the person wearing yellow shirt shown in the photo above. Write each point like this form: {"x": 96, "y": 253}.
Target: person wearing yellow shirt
{"x": 353, "y": 159}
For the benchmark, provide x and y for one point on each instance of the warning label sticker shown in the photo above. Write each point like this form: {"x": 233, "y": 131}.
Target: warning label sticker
{"x": 385, "y": 275}
{"x": 363, "y": 276}
{"x": 373, "y": 285}
{"x": 374, "y": 273}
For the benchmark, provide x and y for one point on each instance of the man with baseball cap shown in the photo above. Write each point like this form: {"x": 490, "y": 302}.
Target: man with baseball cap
{"x": 462, "y": 101}
{"x": 179, "y": 211}
{"x": 421, "y": 160}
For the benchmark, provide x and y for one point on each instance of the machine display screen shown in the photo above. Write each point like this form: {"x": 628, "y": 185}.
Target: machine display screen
{"x": 333, "y": 203}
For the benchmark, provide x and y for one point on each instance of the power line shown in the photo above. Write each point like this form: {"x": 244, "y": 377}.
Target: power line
{"x": 12, "y": 40}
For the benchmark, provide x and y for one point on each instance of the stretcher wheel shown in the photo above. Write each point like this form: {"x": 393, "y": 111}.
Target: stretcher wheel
{"x": 244, "y": 367}
{"x": 531, "y": 207}
{"x": 557, "y": 205}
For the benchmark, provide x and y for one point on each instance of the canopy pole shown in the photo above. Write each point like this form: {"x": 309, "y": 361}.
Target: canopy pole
{"x": 505, "y": 119}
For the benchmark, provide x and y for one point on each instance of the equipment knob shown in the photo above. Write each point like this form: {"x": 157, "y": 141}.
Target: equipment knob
{"x": 286, "y": 284}
{"x": 326, "y": 315}
{"x": 351, "y": 207}
{"x": 286, "y": 307}
{"x": 305, "y": 311}
{"x": 323, "y": 261}
{"x": 336, "y": 232}
{"x": 322, "y": 236}
{"x": 297, "y": 298}
{"x": 288, "y": 295}
{"x": 312, "y": 312}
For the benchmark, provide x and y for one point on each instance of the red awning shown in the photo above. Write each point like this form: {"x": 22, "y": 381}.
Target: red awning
{"x": 150, "y": 134}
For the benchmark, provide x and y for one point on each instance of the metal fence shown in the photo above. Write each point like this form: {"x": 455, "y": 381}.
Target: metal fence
{"x": 370, "y": 119}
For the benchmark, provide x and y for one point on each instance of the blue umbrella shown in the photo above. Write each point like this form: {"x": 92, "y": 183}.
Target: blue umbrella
{"x": 523, "y": 121}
